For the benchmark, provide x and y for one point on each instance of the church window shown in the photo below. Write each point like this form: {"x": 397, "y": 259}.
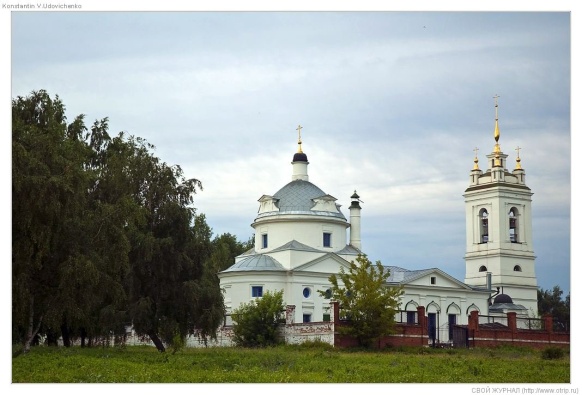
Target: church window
{"x": 433, "y": 280}
{"x": 326, "y": 239}
{"x": 452, "y": 323}
{"x": 257, "y": 291}
{"x": 483, "y": 226}
{"x": 411, "y": 317}
{"x": 265, "y": 240}
{"x": 328, "y": 293}
{"x": 306, "y": 292}
{"x": 517, "y": 268}
{"x": 306, "y": 317}
{"x": 483, "y": 269}
{"x": 513, "y": 236}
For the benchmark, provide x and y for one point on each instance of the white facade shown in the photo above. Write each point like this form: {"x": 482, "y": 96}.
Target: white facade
{"x": 499, "y": 230}
{"x": 300, "y": 240}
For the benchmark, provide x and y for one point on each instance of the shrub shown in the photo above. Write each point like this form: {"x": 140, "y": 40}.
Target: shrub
{"x": 255, "y": 324}
{"x": 553, "y": 353}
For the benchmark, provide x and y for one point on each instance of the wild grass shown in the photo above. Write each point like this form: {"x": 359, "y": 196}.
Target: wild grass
{"x": 312, "y": 363}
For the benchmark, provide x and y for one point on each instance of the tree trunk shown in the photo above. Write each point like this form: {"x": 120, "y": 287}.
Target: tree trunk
{"x": 83, "y": 337}
{"x": 157, "y": 341}
{"x": 66, "y": 335}
{"x": 31, "y": 331}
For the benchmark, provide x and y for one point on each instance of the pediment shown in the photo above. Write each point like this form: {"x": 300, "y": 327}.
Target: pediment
{"x": 425, "y": 278}
{"x": 328, "y": 263}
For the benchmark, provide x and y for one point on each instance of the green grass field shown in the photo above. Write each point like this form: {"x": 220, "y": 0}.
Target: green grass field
{"x": 287, "y": 364}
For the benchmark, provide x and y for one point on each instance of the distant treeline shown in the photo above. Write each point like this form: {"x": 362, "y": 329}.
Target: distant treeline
{"x": 104, "y": 235}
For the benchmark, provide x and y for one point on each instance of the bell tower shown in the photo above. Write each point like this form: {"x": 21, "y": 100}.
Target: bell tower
{"x": 499, "y": 227}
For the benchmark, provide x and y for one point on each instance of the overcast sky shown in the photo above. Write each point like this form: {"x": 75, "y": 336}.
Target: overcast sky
{"x": 392, "y": 105}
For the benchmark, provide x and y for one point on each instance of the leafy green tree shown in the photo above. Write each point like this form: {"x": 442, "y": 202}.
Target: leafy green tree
{"x": 551, "y": 302}
{"x": 255, "y": 323}
{"x": 365, "y": 300}
{"x": 169, "y": 290}
{"x": 104, "y": 234}
{"x": 49, "y": 187}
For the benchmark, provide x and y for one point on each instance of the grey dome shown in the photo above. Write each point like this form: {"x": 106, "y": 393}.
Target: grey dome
{"x": 256, "y": 262}
{"x": 297, "y": 198}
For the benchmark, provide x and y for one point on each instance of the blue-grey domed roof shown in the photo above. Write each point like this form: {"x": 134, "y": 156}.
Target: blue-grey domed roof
{"x": 256, "y": 262}
{"x": 297, "y": 198}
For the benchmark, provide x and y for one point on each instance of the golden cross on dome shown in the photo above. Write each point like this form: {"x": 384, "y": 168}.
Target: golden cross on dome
{"x": 518, "y": 160}
{"x": 476, "y": 161}
{"x": 299, "y": 141}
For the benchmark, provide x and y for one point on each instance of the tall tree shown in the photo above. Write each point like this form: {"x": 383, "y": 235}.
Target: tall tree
{"x": 551, "y": 302}
{"x": 48, "y": 200}
{"x": 170, "y": 295}
{"x": 104, "y": 234}
{"x": 365, "y": 300}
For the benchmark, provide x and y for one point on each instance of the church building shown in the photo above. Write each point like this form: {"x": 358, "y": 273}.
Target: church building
{"x": 301, "y": 238}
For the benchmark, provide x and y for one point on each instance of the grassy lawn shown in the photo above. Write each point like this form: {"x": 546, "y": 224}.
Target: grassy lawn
{"x": 287, "y": 364}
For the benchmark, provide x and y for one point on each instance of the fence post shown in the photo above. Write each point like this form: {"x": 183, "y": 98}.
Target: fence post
{"x": 474, "y": 321}
{"x": 512, "y": 322}
{"x": 334, "y": 319}
{"x": 290, "y": 314}
{"x": 548, "y": 323}
{"x": 421, "y": 312}
{"x": 334, "y": 311}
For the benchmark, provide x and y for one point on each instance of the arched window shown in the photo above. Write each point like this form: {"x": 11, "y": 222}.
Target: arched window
{"x": 483, "y": 269}
{"x": 411, "y": 312}
{"x": 513, "y": 234}
{"x": 517, "y": 268}
{"x": 483, "y": 226}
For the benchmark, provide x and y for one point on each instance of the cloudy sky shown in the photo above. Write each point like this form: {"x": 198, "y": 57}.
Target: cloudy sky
{"x": 392, "y": 105}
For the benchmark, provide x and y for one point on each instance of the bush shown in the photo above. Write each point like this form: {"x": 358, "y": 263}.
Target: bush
{"x": 255, "y": 324}
{"x": 553, "y": 353}
{"x": 315, "y": 344}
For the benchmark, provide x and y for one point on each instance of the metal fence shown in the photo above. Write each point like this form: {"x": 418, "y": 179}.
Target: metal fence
{"x": 493, "y": 320}
{"x": 535, "y": 324}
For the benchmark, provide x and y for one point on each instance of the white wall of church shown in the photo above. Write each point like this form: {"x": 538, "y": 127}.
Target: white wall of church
{"x": 238, "y": 290}
{"x": 444, "y": 301}
{"x": 303, "y": 228}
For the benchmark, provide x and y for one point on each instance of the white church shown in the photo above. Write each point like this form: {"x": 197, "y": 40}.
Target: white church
{"x": 301, "y": 238}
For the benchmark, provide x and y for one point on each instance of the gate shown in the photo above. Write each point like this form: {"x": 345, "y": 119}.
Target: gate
{"x": 460, "y": 336}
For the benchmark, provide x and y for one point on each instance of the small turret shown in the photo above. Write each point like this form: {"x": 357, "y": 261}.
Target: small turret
{"x": 355, "y": 222}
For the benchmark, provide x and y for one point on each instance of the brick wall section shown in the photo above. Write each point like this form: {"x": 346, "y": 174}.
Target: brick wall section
{"x": 404, "y": 334}
{"x": 481, "y": 336}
